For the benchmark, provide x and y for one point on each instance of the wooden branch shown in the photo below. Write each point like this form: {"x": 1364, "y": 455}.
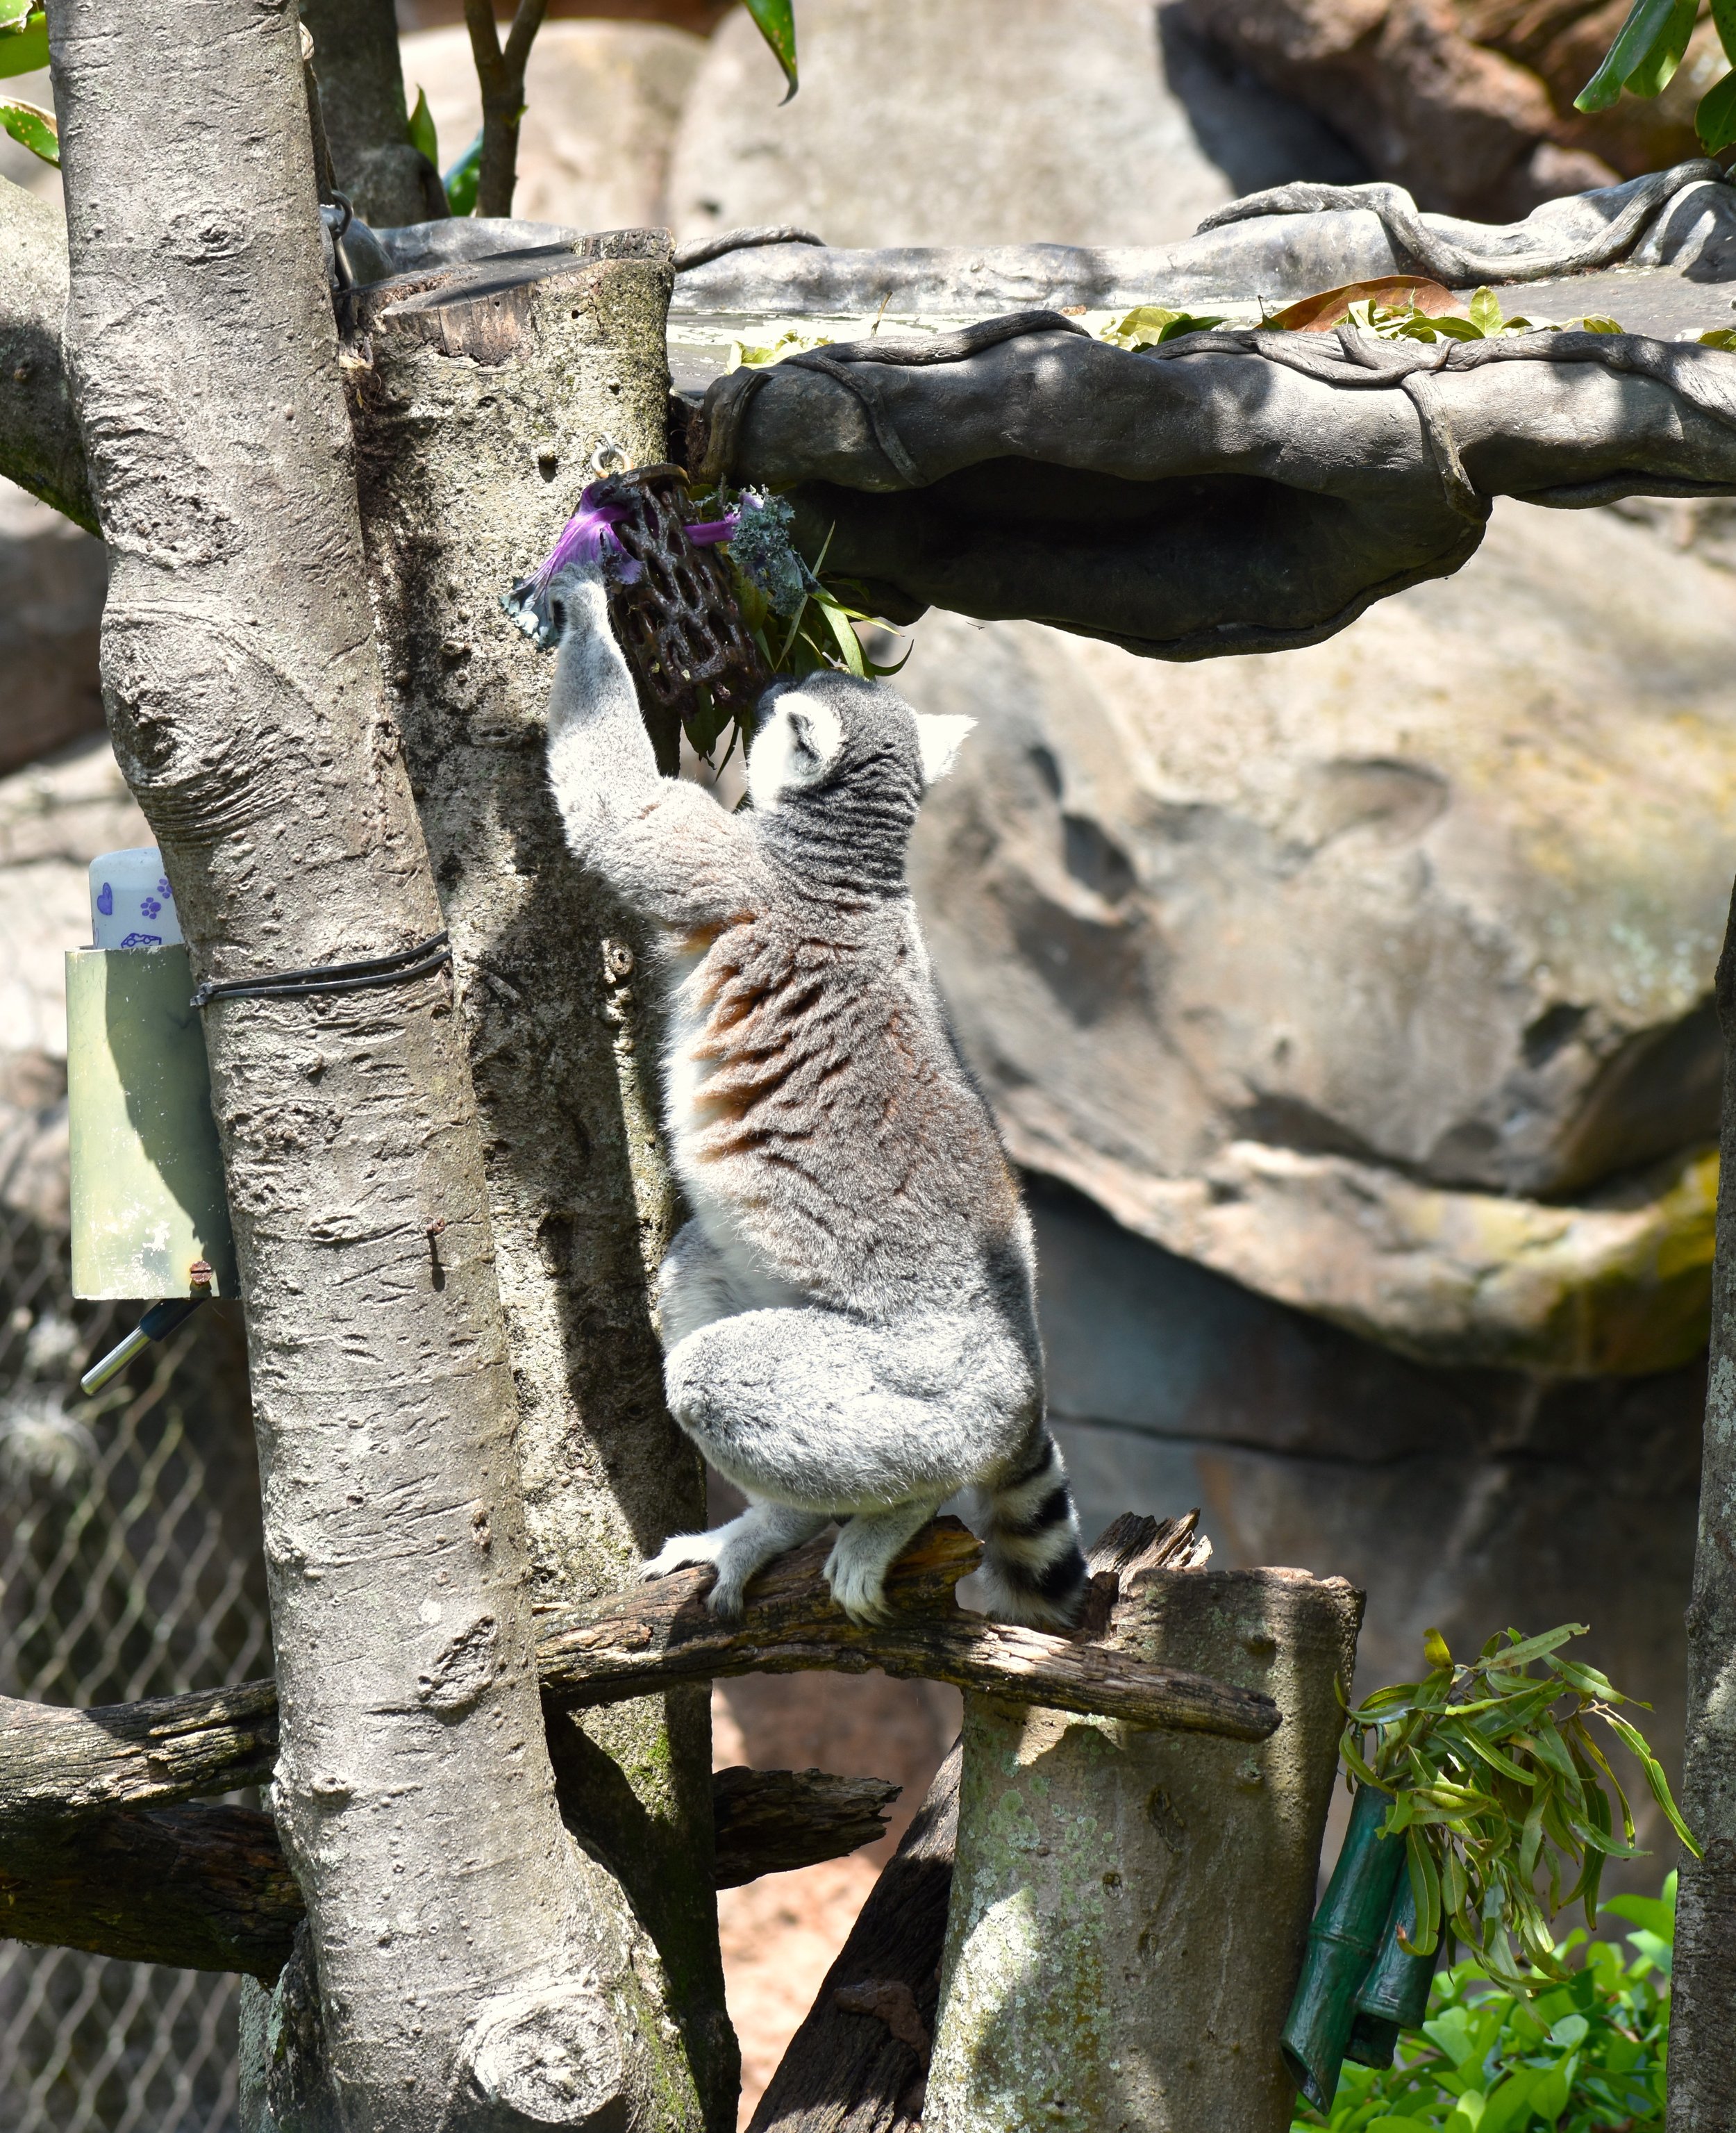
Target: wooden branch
{"x": 40, "y": 446}
{"x": 501, "y": 75}
{"x": 857, "y": 2064}
{"x": 55, "y": 1762}
{"x": 202, "y": 1888}
{"x": 208, "y": 1888}
{"x": 639, "y": 1643}
{"x": 768, "y": 1822}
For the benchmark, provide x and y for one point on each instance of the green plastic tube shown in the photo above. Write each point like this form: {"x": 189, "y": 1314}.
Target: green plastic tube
{"x": 1342, "y": 1944}
{"x": 1394, "y": 1994}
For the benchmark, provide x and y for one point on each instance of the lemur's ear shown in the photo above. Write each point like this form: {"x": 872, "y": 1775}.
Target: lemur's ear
{"x": 940, "y": 737}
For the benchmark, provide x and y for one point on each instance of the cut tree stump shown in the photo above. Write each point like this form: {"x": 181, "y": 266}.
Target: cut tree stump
{"x": 1128, "y": 1911}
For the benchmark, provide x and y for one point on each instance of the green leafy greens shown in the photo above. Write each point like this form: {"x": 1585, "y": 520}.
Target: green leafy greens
{"x": 1496, "y": 1774}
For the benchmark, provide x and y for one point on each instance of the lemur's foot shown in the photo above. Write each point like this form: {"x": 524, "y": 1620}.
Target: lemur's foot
{"x": 685, "y": 1551}
{"x": 857, "y": 1586}
{"x": 682, "y": 1551}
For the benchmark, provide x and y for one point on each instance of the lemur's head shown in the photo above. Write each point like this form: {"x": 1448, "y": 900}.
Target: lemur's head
{"x": 838, "y": 770}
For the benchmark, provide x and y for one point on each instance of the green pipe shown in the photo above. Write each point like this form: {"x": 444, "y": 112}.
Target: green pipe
{"x": 1342, "y": 1941}
{"x": 1394, "y": 1995}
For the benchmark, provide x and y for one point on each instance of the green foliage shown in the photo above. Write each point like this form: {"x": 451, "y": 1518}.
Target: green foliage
{"x": 423, "y": 137}
{"x": 1648, "y": 50}
{"x": 1147, "y": 325}
{"x": 775, "y": 22}
{"x": 463, "y": 178}
{"x": 31, "y": 127}
{"x": 788, "y": 343}
{"x": 23, "y": 38}
{"x": 1496, "y": 1775}
{"x": 1589, "y": 2052}
{"x": 1484, "y": 320}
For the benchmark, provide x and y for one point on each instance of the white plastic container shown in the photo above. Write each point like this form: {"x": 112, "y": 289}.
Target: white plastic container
{"x": 132, "y": 904}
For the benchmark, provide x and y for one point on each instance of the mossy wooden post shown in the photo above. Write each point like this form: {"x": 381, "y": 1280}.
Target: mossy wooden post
{"x": 1129, "y": 1907}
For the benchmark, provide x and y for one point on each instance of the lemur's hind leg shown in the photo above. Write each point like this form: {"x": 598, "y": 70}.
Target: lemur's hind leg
{"x": 878, "y": 1425}
{"x": 748, "y": 1543}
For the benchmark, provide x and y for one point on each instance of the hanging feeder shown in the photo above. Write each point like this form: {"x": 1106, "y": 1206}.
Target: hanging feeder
{"x": 150, "y": 1217}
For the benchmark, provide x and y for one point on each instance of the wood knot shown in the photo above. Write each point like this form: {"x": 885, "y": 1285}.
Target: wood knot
{"x": 888, "y": 2000}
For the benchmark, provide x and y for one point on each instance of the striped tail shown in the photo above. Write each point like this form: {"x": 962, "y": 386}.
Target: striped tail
{"x": 1033, "y": 1566}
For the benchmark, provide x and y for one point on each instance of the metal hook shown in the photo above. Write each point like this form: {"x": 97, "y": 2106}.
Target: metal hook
{"x": 611, "y": 456}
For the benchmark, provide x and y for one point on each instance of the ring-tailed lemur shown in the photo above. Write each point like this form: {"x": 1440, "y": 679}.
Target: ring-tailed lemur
{"x": 849, "y": 1318}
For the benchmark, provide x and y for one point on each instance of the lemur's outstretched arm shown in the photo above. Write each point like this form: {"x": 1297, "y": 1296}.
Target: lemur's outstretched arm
{"x": 663, "y": 844}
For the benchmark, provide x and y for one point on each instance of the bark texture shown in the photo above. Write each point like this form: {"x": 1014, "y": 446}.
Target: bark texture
{"x": 39, "y": 448}
{"x": 464, "y": 1977}
{"x": 1128, "y": 1910}
{"x": 479, "y": 398}
{"x": 366, "y": 124}
{"x": 201, "y": 1888}
{"x": 1702, "y": 2016}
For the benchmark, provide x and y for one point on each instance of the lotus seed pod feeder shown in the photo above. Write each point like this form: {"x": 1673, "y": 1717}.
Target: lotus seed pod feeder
{"x": 149, "y": 1214}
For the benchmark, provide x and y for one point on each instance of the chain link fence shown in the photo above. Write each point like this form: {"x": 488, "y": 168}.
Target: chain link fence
{"x": 130, "y": 1566}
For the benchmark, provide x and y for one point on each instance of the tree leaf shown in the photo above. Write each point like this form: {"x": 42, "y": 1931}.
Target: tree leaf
{"x": 1531, "y": 1648}
{"x": 775, "y": 22}
{"x": 1398, "y": 292}
{"x": 1647, "y": 21}
{"x": 1485, "y": 311}
{"x": 1435, "y": 1648}
{"x": 423, "y": 137}
{"x": 24, "y": 44}
{"x": 1653, "y": 73}
{"x": 463, "y": 178}
{"x": 1715, "y": 118}
{"x": 32, "y": 128}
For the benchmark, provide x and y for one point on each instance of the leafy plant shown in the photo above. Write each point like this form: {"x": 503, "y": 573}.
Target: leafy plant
{"x": 24, "y": 49}
{"x": 1588, "y": 2053}
{"x": 1496, "y": 1774}
{"x": 775, "y": 22}
{"x": 1149, "y": 325}
{"x": 463, "y": 178}
{"x": 1648, "y": 49}
{"x": 753, "y": 354}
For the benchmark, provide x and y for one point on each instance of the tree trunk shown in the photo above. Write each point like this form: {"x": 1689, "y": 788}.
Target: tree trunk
{"x": 39, "y": 441}
{"x": 463, "y": 1977}
{"x": 1128, "y": 1910}
{"x": 366, "y": 124}
{"x": 476, "y": 425}
{"x": 1703, "y": 2017}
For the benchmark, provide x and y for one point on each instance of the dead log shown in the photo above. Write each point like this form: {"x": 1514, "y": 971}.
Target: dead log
{"x": 206, "y": 1887}
{"x": 769, "y": 1822}
{"x": 639, "y": 1642}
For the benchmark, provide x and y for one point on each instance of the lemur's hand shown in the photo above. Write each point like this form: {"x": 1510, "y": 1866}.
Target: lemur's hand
{"x": 545, "y": 610}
